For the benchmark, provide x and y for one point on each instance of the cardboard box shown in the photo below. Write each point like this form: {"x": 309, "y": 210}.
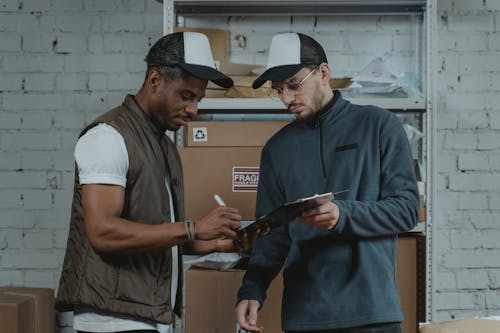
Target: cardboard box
{"x": 231, "y": 172}
{"x": 211, "y": 294}
{"x": 236, "y": 71}
{"x": 410, "y": 275}
{"x": 467, "y": 325}
{"x": 223, "y": 157}
{"x": 211, "y": 300}
{"x": 422, "y": 214}
{"x": 16, "y": 314}
{"x": 230, "y": 133}
{"x": 27, "y": 310}
{"x": 215, "y": 93}
{"x": 219, "y": 41}
{"x": 242, "y": 88}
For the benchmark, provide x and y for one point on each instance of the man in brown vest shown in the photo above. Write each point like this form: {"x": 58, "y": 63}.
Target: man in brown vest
{"x": 122, "y": 269}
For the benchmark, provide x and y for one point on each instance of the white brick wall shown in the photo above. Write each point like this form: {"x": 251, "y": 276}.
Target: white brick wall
{"x": 59, "y": 62}
{"x": 63, "y": 62}
{"x": 468, "y": 122}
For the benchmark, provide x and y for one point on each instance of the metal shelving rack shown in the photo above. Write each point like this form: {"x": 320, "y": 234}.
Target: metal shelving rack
{"x": 422, "y": 103}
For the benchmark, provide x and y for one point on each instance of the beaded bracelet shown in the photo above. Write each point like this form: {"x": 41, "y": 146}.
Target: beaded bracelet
{"x": 189, "y": 224}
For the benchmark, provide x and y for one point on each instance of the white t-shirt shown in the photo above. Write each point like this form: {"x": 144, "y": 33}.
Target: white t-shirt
{"x": 102, "y": 158}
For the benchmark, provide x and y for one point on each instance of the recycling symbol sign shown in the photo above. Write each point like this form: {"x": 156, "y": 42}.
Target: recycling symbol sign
{"x": 200, "y": 134}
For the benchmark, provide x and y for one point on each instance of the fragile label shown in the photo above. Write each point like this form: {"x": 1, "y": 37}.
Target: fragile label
{"x": 245, "y": 179}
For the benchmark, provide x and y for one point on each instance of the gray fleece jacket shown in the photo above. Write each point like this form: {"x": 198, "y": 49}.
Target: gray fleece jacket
{"x": 344, "y": 277}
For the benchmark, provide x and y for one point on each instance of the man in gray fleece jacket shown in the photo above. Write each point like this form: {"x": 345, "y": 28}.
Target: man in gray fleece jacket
{"x": 339, "y": 258}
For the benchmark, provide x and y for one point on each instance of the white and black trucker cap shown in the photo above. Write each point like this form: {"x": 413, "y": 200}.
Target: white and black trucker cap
{"x": 190, "y": 51}
{"x": 289, "y": 53}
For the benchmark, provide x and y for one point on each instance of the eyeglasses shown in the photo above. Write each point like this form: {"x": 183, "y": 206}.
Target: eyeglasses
{"x": 293, "y": 86}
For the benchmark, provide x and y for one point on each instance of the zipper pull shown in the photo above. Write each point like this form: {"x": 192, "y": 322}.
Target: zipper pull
{"x": 317, "y": 122}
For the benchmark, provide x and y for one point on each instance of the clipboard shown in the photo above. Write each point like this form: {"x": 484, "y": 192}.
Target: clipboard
{"x": 289, "y": 211}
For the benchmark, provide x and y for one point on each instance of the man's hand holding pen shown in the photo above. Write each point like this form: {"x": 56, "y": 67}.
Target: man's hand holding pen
{"x": 243, "y": 240}
{"x": 220, "y": 222}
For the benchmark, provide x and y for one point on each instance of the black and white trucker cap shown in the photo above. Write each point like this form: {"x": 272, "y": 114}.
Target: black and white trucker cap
{"x": 190, "y": 51}
{"x": 288, "y": 54}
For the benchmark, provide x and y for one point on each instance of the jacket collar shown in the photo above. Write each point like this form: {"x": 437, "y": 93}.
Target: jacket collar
{"x": 131, "y": 104}
{"x": 330, "y": 111}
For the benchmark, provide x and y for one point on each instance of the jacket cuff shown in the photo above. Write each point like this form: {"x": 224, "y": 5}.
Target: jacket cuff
{"x": 339, "y": 227}
{"x": 245, "y": 294}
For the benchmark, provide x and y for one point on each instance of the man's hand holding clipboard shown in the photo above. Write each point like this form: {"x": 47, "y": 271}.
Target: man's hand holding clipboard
{"x": 323, "y": 213}
{"x": 317, "y": 210}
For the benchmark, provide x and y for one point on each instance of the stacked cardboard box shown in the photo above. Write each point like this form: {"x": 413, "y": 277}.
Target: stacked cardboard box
{"x": 218, "y": 38}
{"x": 211, "y": 301}
{"x": 211, "y": 294}
{"x": 26, "y": 310}
{"x": 223, "y": 157}
{"x": 466, "y": 325}
{"x": 410, "y": 275}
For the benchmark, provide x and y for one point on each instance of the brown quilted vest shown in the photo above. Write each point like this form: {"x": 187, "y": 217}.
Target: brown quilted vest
{"x": 134, "y": 285}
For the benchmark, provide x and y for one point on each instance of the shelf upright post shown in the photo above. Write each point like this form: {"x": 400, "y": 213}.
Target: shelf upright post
{"x": 431, "y": 151}
{"x": 168, "y": 16}
{"x": 425, "y": 75}
{"x": 168, "y": 27}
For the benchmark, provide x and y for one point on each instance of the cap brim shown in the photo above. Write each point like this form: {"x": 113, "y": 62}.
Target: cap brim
{"x": 279, "y": 73}
{"x": 208, "y": 73}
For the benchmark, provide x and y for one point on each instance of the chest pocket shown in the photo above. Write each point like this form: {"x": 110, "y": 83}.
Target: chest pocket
{"x": 347, "y": 159}
{"x": 346, "y": 147}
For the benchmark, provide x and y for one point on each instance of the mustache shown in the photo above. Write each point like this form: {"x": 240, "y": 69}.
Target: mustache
{"x": 291, "y": 105}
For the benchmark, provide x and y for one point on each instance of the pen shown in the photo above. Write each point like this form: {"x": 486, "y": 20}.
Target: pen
{"x": 221, "y": 203}
{"x": 338, "y": 192}
{"x": 219, "y": 200}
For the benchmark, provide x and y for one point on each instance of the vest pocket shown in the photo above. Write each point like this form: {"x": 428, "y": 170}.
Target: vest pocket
{"x": 100, "y": 278}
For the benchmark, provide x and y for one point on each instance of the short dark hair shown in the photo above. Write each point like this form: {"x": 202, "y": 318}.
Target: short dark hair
{"x": 170, "y": 72}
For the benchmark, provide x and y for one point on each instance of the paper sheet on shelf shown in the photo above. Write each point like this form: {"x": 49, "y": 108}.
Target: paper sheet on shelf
{"x": 375, "y": 78}
{"x": 375, "y": 74}
{"x": 214, "y": 257}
